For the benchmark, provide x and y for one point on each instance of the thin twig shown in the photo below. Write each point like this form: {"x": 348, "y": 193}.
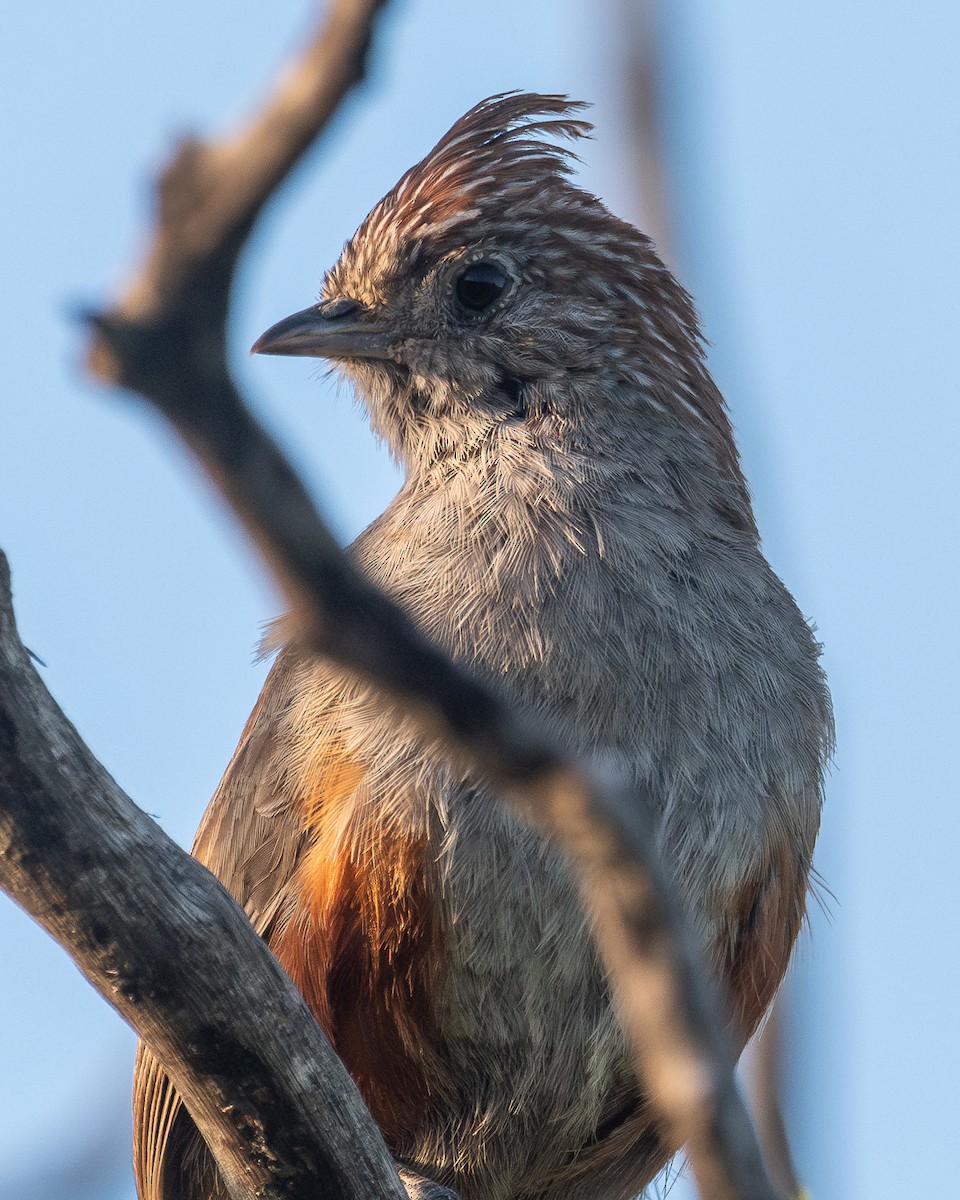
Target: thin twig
{"x": 211, "y": 193}
{"x": 639, "y": 26}
{"x": 764, "y": 1088}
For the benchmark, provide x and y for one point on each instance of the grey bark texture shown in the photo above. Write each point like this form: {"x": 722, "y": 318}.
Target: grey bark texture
{"x": 162, "y": 941}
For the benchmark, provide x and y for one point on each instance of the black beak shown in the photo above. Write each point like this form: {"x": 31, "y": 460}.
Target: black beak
{"x": 339, "y": 329}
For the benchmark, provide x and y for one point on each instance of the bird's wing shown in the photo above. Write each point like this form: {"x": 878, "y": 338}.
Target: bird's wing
{"x": 751, "y": 952}
{"x": 252, "y": 833}
{"x": 251, "y": 837}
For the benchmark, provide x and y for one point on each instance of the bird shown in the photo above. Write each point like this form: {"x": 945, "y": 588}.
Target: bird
{"x": 575, "y": 528}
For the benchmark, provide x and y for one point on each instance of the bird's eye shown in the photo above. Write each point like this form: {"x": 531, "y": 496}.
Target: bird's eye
{"x": 480, "y": 285}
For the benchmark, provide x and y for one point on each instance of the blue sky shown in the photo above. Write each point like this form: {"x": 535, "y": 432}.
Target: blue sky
{"x": 813, "y": 157}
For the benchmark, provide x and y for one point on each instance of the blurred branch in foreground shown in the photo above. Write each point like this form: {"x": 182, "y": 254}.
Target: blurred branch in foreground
{"x": 642, "y": 24}
{"x": 642, "y": 69}
{"x": 764, "y": 1076}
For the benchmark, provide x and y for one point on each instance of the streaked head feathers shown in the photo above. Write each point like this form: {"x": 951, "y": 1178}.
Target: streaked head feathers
{"x": 587, "y": 338}
{"x": 492, "y": 165}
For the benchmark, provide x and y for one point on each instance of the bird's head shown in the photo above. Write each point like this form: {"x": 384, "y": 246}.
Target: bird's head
{"x": 487, "y": 292}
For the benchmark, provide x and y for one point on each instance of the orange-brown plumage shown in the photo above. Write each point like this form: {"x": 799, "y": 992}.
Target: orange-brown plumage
{"x": 576, "y": 528}
{"x": 364, "y": 944}
{"x": 767, "y": 915}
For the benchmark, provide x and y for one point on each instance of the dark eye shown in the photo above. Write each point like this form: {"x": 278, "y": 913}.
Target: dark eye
{"x": 480, "y": 285}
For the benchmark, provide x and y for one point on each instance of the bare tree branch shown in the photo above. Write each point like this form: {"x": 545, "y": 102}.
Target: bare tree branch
{"x": 212, "y": 192}
{"x": 165, "y": 338}
{"x": 639, "y": 22}
{"x": 159, "y": 937}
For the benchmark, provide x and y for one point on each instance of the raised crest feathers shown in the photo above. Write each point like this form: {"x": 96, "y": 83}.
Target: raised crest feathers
{"x": 499, "y": 152}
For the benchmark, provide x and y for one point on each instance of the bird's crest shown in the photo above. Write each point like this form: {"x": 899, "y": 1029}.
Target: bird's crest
{"x": 492, "y": 160}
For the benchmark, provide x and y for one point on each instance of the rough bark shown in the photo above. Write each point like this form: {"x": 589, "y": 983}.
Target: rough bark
{"x": 159, "y": 937}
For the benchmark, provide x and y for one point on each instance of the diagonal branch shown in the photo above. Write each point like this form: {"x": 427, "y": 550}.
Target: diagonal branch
{"x": 211, "y": 193}
{"x": 165, "y": 338}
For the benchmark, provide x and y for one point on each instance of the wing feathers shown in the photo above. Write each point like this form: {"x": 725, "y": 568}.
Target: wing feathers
{"x": 251, "y": 837}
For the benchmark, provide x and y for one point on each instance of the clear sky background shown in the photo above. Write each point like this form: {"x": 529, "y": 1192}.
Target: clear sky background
{"x": 813, "y": 154}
